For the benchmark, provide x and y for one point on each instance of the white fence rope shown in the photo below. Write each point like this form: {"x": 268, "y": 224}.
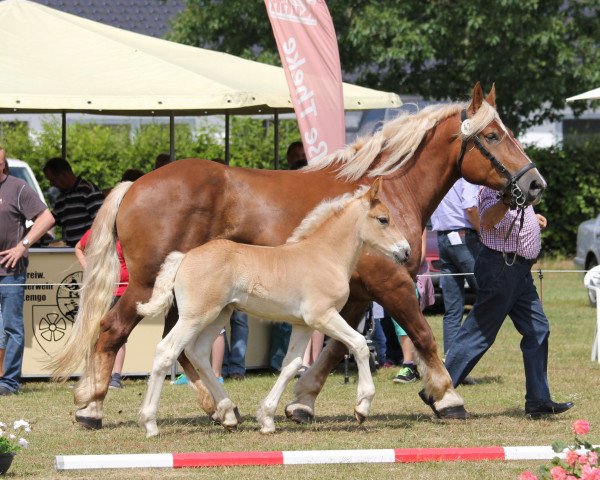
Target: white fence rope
{"x": 436, "y": 275}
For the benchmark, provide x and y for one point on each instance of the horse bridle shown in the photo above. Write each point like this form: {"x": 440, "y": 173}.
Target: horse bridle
{"x": 518, "y": 198}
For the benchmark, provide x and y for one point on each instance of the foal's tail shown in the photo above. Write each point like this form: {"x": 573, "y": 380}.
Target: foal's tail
{"x": 162, "y": 293}
{"x": 99, "y": 281}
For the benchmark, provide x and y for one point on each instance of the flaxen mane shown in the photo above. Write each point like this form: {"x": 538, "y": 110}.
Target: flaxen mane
{"x": 399, "y": 139}
{"x": 323, "y": 211}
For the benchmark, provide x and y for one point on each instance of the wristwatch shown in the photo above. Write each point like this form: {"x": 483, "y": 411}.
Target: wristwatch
{"x": 25, "y": 242}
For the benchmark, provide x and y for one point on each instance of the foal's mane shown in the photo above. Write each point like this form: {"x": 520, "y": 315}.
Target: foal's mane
{"x": 399, "y": 139}
{"x": 322, "y": 212}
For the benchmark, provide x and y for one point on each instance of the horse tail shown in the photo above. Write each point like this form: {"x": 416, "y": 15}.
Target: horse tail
{"x": 162, "y": 293}
{"x": 100, "y": 278}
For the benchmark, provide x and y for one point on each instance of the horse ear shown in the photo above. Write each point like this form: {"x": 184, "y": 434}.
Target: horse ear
{"x": 491, "y": 97}
{"x": 477, "y": 98}
{"x": 373, "y": 193}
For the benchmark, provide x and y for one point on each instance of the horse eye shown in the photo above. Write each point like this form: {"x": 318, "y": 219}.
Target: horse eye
{"x": 491, "y": 137}
{"x": 383, "y": 220}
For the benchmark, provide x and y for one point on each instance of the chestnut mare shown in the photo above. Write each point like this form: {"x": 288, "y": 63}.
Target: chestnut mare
{"x": 190, "y": 202}
{"x": 304, "y": 282}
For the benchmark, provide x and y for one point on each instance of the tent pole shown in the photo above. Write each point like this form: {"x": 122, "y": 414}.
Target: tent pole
{"x": 227, "y": 152}
{"x": 63, "y": 147}
{"x": 276, "y": 139}
{"x": 172, "y": 136}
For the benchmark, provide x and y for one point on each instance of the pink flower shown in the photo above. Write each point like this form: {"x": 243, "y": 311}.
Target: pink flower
{"x": 583, "y": 459}
{"x": 590, "y": 473}
{"x": 593, "y": 458}
{"x": 527, "y": 475}
{"x": 571, "y": 457}
{"x": 581, "y": 427}
{"x": 558, "y": 473}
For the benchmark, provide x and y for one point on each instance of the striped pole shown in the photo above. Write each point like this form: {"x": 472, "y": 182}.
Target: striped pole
{"x": 303, "y": 457}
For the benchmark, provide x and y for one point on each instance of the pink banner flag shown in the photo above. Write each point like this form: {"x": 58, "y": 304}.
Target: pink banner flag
{"x": 308, "y": 49}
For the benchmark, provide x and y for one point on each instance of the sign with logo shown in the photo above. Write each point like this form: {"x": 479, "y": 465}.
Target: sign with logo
{"x": 309, "y": 54}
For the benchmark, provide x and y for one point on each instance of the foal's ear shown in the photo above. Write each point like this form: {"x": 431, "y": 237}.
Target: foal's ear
{"x": 491, "y": 97}
{"x": 373, "y": 193}
{"x": 477, "y": 98}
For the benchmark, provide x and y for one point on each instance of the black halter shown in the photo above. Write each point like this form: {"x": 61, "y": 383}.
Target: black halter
{"x": 517, "y": 196}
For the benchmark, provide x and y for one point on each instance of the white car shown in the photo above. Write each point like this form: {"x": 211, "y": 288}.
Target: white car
{"x": 588, "y": 248}
{"x": 20, "y": 169}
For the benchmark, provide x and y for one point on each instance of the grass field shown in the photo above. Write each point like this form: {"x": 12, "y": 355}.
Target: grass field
{"x": 399, "y": 419}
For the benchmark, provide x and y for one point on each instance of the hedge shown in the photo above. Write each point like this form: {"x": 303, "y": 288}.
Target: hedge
{"x": 101, "y": 153}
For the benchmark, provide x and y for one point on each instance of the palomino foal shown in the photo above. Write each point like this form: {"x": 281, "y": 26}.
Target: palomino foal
{"x": 304, "y": 282}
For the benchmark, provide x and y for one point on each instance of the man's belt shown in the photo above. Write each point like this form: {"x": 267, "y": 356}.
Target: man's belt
{"x": 459, "y": 230}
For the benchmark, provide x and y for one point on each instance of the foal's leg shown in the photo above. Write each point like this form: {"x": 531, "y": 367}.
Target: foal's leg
{"x": 301, "y": 409}
{"x": 205, "y": 399}
{"x": 226, "y": 412}
{"x": 291, "y": 363}
{"x": 166, "y": 353}
{"x": 92, "y": 387}
{"x": 333, "y": 325}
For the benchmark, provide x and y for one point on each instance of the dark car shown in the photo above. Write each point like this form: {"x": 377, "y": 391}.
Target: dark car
{"x": 588, "y": 249}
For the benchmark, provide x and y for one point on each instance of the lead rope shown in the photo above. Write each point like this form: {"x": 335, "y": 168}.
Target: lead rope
{"x": 541, "y": 277}
{"x": 521, "y": 210}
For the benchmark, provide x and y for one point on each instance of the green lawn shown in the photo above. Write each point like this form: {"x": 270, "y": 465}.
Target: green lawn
{"x": 399, "y": 419}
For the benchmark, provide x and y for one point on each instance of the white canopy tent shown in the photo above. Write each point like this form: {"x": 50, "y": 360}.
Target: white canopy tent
{"x": 591, "y": 95}
{"x": 53, "y": 60}
{"x": 57, "y": 62}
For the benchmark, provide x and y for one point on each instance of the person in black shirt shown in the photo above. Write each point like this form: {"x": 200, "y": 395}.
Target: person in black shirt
{"x": 79, "y": 200}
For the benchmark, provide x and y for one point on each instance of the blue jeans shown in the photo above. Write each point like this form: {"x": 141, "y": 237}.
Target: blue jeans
{"x": 280, "y": 340}
{"x": 380, "y": 341}
{"x": 503, "y": 291}
{"x": 234, "y": 361}
{"x": 2, "y": 333}
{"x": 11, "y": 303}
{"x": 456, "y": 259}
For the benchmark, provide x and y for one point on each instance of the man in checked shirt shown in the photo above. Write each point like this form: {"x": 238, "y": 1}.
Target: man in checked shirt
{"x": 506, "y": 289}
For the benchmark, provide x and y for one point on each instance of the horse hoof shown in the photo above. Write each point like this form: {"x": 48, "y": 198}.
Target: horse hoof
{"x": 449, "y": 413}
{"x": 453, "y": 413}
{"x": 230, "y": 427}
{"x": 300, "y": 415}
{"x": 89, "y": 423}
{"x": 237, "y": 415}
{"x": 360, "y": 418}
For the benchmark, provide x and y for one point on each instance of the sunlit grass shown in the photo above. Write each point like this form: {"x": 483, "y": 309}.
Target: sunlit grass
{"x": 398, "y": 420}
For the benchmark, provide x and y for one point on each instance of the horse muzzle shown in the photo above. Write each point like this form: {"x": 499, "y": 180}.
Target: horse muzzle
{"x": 401, "y": 253}
{"x": 532, "y": 186}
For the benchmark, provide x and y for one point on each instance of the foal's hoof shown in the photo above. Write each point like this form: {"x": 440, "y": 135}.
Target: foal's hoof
{"x": 89, "y": 423}
{"x": 360, "y": 418}
{"x": 299, "y": 414}
{"x": 448, "y": 413}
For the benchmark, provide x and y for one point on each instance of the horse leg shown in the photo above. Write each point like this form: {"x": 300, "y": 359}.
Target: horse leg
{"x": 226, "y": 412}
{"x": 291, "y": 363}
{"x": 333, "y": 325}
{"x": 301, "y": 408}
{"x": 397, "y": 296}
{"x": 92, "y": 387}
{"x": 205, "y": 399}
{"x": 167, "y": 351}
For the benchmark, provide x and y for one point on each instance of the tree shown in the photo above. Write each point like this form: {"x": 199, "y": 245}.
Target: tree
{"x": 538, "y": 52}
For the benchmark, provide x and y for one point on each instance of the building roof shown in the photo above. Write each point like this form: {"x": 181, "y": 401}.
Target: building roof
{"x": 148, "y": 17}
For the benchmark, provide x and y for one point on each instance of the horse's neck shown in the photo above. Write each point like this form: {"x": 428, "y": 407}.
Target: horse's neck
{"x": 338, "y": 238}
{"x": 429, "y": 176}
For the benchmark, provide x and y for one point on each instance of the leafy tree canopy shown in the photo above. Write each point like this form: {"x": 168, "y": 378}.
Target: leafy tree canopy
{"x": 538, "y": 52}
